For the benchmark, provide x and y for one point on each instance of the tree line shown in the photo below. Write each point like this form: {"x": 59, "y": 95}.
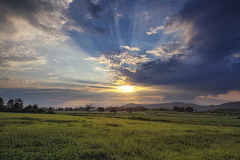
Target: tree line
{"x": 17, "y": 106}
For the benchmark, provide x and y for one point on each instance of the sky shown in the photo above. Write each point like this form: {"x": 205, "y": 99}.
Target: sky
{"x": 69, "y": 53}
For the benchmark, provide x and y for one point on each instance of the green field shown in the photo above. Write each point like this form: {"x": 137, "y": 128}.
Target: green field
{"x": 142, "y": 135}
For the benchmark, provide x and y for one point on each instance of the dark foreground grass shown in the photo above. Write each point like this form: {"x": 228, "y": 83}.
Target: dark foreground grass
{"x": 58, "y": 136}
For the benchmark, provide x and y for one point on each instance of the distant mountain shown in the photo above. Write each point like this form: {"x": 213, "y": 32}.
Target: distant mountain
{"x": 180, "y": 104}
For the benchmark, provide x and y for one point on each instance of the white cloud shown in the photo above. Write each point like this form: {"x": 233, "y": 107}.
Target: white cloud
{"x": 131, "y": 48}
{"x": 117, "y": 59}
{"x": 119, "y": 15}
{"x": 117, "y": 62}
{"x": 155, "y": 29}
{"x": 76, "y": 28}
{"x": 56, "y": 61}
{"x": 54, "y": 78}
{"x": 88, "y": 16}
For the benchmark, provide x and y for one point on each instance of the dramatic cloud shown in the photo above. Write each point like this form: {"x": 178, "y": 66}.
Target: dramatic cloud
{"x": 118, "y": 59}
{"x": 119, "y": 63}
{"x": 209, "y": 27}
{"x": 32, "y": 17}
{"x": 170, "y": 50}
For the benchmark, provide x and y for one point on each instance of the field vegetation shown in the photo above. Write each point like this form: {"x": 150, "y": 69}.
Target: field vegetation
{"x": 139, "y": 135}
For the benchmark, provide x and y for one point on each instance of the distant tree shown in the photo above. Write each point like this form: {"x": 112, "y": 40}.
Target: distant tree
{"x": 101, "y": 109}
{"x": 2, "y": 107}
{"x": 18, "y": 104}
{"x": 140, "y": 108}
{"x": 41, "y": 110}
{"x": 88, "y": 107}
{"x": 28, "y": 108}
{"x": 1, "y": 101}
{"x": 175, "y": 108}
{"x": 50, "y": 112}
{"x": 122, "y": 108}
{"x": 130, "y": 109}
{"x": 35, "y": 106}
{"x": 113, "y": 109}
{"x": 10, "y": 103}
{"x": 189, "y": 109}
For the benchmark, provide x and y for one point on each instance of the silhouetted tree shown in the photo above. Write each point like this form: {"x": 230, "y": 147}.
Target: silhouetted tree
{"x": 1, "y": 101}
{"x": 100, "y": 109}
{"x": 113, "y": 109}
{"x": 130, "y": 109}
{"x": 28, "y": 108}
{"x": 18, "y": 104}
{"x": 2, "y": 107}
{"x": 189, "y": 109}
{"x": 88, "y": 107}
{"x": 10, "y": 104}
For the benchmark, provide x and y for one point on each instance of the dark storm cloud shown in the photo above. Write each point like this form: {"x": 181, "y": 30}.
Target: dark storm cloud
{"x": 191, "y": 81}
{"x": 212, "y": 32}
{"x": 212, "y": 27}
{"x": 159, "y": 67}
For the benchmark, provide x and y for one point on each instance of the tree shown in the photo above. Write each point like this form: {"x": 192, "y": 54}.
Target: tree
{"x": 101, "y": 109}
{"x": 28, "y": 108}
{"x": 35, "y": 106}
{"x": 130, "y": 109}
{"x": 1, "y": 101}
{"x": 113, "y": 109}
{"x": 10, "y": 103}
{"x": 88, "y": 107}
{"x": 189, "y": 109}
{"x": 18, "y": 103}
{"x": 2, "y": 107}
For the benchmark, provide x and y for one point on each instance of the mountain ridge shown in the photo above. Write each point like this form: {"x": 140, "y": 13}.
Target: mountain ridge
{"x": 182, "y": 104}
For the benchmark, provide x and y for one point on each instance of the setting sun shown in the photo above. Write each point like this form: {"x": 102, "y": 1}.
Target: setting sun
{"x": 126, "y": 89}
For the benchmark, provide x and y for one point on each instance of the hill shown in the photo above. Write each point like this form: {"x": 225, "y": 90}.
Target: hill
{"x": 181, "y": 104}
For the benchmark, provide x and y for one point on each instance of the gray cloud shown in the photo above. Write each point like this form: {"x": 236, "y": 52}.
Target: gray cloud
{"x": 210, "y": 27}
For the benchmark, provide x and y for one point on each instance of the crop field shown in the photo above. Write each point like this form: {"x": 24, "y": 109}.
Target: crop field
{"x": 141, "y": 135}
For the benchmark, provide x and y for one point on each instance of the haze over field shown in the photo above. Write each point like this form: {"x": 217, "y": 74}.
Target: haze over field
{"x": 113, "y": 52}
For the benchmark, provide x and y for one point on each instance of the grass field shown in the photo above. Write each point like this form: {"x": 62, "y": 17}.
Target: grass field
{"x": 143, "y": 135}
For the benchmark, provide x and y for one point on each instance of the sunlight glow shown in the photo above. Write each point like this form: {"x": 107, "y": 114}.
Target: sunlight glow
{"x": 126, "y": 89}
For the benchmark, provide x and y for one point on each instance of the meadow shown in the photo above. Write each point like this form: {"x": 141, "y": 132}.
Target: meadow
{"x": 140, "y": 135}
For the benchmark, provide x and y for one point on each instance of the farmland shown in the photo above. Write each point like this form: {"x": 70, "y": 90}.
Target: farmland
{"x": 140, "y": 135}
